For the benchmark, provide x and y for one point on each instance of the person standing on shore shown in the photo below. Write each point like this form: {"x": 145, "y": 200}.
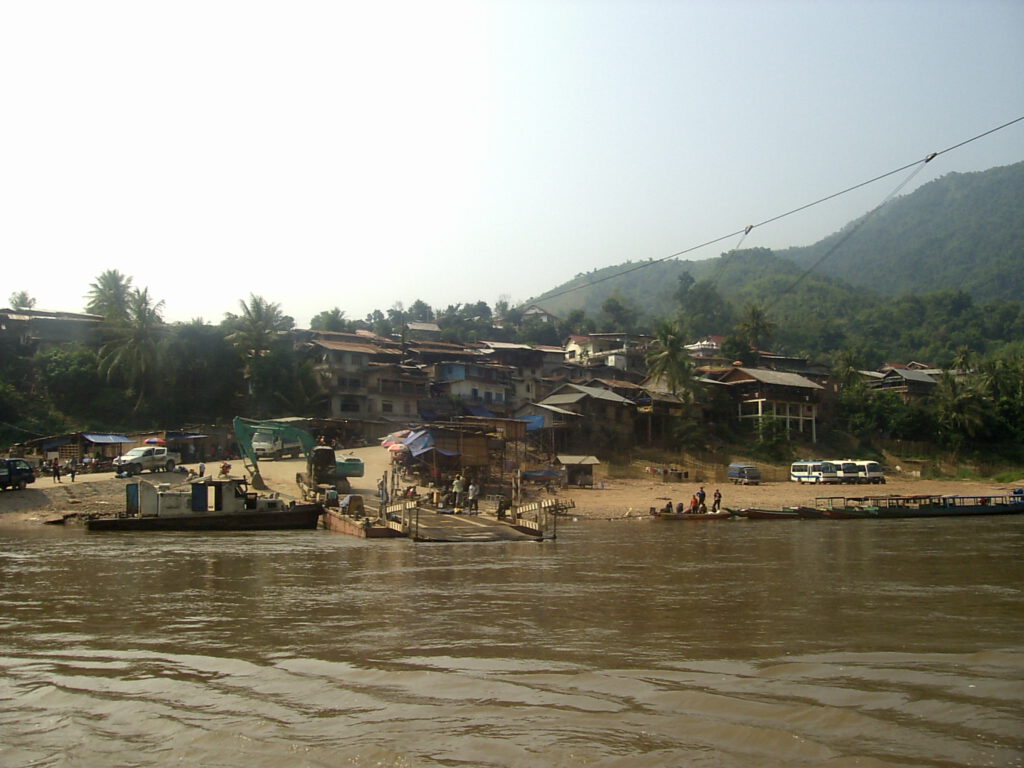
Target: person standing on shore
{"x": 55, "y": 468}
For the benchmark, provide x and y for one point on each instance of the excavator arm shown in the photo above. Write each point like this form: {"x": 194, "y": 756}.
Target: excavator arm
{"x": 245, "y": 429}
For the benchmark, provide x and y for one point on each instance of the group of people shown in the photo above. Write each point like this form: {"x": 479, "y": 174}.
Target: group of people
{"x": 462, "y": 494}
{"x": 56, "y": 470}
{"x": 698, "y": 504}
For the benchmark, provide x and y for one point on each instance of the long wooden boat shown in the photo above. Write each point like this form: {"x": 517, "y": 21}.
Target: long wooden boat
{"x": 350, "y": 518}
{"x": 722, "y": 515}
{"x": 895, "y": 507}
{"x": 207, "y": 504}
{"x": 768, "y": 514}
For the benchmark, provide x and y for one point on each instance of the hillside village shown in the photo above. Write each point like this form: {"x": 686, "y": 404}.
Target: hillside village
{"x": 596, "y": 394}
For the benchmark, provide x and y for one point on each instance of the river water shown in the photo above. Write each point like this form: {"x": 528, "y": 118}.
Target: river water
{"x": 730, "y": 643}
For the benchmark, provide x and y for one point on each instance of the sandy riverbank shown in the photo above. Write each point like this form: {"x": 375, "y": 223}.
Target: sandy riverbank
{"x": 616, "y": 499}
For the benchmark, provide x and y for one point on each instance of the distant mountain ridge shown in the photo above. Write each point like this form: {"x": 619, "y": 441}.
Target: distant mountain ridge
{"x": 963, "y": 231}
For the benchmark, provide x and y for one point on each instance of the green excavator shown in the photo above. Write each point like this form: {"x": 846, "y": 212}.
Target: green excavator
{"x": 323, "y": 471}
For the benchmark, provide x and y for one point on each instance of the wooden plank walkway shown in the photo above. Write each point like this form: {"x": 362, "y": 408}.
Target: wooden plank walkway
{"x": 530, "y": 522}
{"x": 431, "y": 526}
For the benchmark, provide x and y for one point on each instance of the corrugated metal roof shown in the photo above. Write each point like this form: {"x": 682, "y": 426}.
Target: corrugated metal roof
{"x": 563, "y": 399}
{"x": 596, "y": 392}
{"x": 351, "y": 346}
{"x": 780, "y": 378}
{"x": 577, "y": 460}
{"x": 554, "y": 409}
{"x": 911, "y": 374}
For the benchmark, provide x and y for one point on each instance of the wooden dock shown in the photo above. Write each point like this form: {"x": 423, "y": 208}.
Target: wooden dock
{"x": 529, "y": 522}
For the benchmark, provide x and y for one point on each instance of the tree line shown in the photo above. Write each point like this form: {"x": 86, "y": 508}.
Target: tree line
{"x": 141, "y": 371}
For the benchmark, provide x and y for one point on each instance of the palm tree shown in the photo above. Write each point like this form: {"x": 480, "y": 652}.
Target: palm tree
{"x": 846, "y": 366}
{"x": 669, "y": 361}
{"x": 258, "y": 328}
{"x": 256, "y": 333}
{"x": 109, "y": 296}
{"x": 960, "y": 409}
{"x": 21, "y": 300}
{"x": 754, "y": 327}
{"x": 131, "y": 352}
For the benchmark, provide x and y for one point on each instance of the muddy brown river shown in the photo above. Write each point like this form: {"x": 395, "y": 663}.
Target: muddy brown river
{"x": 731, "y": 643}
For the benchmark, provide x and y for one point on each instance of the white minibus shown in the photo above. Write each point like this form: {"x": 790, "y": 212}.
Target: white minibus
{"x": 870, "y": 472}
{"x": 813, "y": 471}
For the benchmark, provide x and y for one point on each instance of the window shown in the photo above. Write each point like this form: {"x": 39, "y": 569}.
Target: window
{"x": 386, "y": 406}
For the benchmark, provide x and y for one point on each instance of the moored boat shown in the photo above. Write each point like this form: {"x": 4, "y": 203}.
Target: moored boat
{"x": 769, "y": 514}
{"x": 895, "y": 507}
{"x": 207, "y": 504}
{"x": 349, "y": 517}
{"x": 692, "y": 516}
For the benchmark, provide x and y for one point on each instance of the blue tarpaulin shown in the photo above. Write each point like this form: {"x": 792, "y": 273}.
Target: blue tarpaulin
{"x": 479, "y": 410}
{"x": 421, "y": 441}
{"x": 106, "y": 437}
{"x": 533, "y": 422}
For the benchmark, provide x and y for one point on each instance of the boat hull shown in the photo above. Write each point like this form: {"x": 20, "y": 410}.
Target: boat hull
{"x": 769, "y": 514}
{"x": 691, "y": 515}
{"x": 362, "y": 527}
{"x": 301, "y": 517}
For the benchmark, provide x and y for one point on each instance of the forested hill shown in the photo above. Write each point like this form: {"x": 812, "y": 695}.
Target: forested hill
{"x": 964, "y": 231}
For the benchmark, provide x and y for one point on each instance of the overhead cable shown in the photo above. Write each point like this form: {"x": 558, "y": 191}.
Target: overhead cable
{"x": 747, "y": 229}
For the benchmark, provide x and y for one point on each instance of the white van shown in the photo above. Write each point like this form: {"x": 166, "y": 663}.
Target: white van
{"x": 814, "y": 471}
{"x": 870, "y": 472}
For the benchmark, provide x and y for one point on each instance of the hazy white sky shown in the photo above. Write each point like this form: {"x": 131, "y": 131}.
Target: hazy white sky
{"x": 344, "y": 154}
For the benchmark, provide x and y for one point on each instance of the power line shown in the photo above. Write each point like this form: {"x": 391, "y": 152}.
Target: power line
{"x": 746, "y": 230}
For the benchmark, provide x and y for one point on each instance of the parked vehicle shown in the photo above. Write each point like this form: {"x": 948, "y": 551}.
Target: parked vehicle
{"x": 870, "y": 472}
{"x": 267, "y": 445}
{"x": 744, "y": 474}
{"x": 16, "y": 473}
{"x": 847, "y": 470}
{"x": 155, "y": 458}
{"x": 813, "y": 471}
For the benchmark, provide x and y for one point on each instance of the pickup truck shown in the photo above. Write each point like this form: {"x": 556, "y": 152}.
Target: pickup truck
{"x": 16, "y": 473}
{"x": 152, "y": 457}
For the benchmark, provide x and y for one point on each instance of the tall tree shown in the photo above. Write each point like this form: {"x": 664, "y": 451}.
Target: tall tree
{"x": 330, "y": 320}
{"x": 960, "y": 409}
{"x": 618, "y": 315}
{"x": 258, "y": 334}
{"x": 131, "y": 351}
{"x": 420, "y": 312}
{"x": 670, "y": 362}
{"x": 109, "y": 296}
{"x": 259, "y": 326}
{"x": 704, "y": 310}
{"x": 754, "y": 326}
{"x": 21, "y": 300}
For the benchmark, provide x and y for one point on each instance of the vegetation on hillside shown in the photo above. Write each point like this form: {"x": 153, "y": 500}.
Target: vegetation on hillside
{"x": 962, "y": 237}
